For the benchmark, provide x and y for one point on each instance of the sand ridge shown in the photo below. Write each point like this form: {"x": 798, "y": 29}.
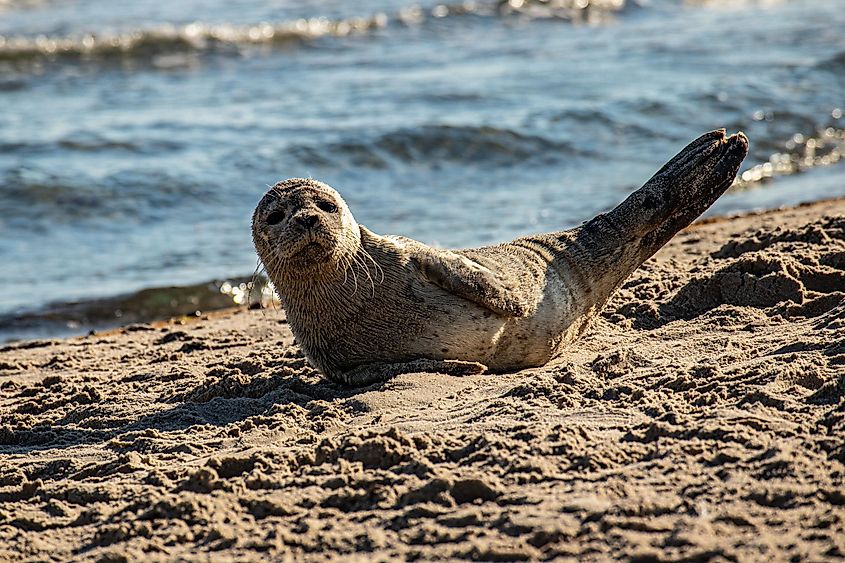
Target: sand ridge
{"x": 702, "y": 417}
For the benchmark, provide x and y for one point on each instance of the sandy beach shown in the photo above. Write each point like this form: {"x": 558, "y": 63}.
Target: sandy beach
{"x": 702, "y": 417}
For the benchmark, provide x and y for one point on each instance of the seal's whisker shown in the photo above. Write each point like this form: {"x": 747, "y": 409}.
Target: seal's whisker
{"x": 252, "y": 283}
{"x": 341, "y": 265}
{"x": 273, "y": 265}
{"x": 360, "y": 262}
{"x": 379, "y": 269}
{"x": 345, "y": 261}
{"x": 354, "y": 279}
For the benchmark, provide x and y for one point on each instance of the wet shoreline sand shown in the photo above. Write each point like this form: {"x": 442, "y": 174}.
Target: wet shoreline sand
{"x": 701, "y": 417}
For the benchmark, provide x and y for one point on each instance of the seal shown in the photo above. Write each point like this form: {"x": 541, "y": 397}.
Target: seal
{"x": 365, "y": 307}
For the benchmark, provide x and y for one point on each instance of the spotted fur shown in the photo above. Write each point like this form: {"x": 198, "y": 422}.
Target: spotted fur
{"x": 366, "y": 307}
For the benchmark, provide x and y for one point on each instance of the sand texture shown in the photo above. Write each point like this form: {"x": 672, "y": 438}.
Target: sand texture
{"x": 702, "y": 417}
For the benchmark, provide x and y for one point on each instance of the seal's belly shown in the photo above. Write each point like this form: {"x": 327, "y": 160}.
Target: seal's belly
{"x": 442, "y": 328}
{"x": 533, "y": 340}
{"x": 457, "y": 330}
{"x": 499, "y": 343}
{"x": 466, "y": 331}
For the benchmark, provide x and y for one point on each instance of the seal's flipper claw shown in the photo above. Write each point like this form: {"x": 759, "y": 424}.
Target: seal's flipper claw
{"x": 379, "y": 372}
{"x": 460, "y": 368}
{"x": 470, "y": 280}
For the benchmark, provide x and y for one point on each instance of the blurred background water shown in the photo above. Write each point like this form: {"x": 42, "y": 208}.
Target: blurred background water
{"x": 136, "y": 137}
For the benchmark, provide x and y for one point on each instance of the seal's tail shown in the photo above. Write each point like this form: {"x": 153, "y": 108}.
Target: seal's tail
{"x": 616, "y": 243}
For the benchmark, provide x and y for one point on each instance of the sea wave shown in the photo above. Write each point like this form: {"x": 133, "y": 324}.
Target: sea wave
{"x": 205, "y": 37}
{"x": 33, "y": 196}
{"x": 834, "y": 63}
{"x": 196, "y": 36}
{"x": 436, "y": 145}
{"x": 87, "y": 142}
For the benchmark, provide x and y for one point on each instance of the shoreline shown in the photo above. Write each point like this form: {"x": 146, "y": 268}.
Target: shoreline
{"x": 701, "y": 416}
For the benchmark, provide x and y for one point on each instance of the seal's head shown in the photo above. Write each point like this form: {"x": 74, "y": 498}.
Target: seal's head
{"x": 302, "y": 229}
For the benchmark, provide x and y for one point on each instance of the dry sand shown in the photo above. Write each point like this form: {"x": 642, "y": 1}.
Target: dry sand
{"x": 702, "y": 417}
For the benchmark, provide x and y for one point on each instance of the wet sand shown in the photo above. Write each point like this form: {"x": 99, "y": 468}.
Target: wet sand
{"x": 702, "y": 417}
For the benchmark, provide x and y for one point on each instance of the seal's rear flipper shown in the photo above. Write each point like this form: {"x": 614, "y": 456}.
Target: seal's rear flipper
{"x": 682, "y": 190}
{"x": 616, "y": 243}
{"x": 672, "y": 199}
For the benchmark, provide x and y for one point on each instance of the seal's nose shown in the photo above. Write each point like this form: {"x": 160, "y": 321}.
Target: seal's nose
{"x": 307, "y": 221}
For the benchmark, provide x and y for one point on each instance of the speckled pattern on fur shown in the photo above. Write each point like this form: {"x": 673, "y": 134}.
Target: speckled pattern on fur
{"x": 366, "y": 307}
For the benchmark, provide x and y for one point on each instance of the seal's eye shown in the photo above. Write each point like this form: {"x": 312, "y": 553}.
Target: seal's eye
{"x": 275, "y": 217}
{"x": 326, "y": 206}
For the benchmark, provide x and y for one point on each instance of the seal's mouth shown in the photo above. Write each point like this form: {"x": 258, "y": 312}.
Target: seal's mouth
{"x": 312, "y": 252}
{"x": 309, "y": 248}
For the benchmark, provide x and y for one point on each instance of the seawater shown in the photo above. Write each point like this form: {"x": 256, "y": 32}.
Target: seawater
{"x": 136, "y": 137}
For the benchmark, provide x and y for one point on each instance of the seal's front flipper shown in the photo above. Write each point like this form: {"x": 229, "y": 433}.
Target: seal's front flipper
{"x": 471, "y": 281}
{"x": 373, "y": 373}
